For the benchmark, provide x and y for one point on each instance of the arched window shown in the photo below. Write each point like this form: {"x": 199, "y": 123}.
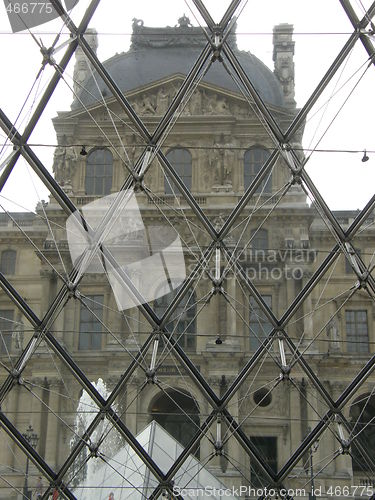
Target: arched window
{"x": 178, "y": 414}
{"x": 259, "y": 239}
{"x": 99, "y": 172}
{"x": 183, "y": 321}
{"x": 362, "y": 418}
{"x": 180, "y": 159}
{"x": 254, "y": 160}
{"x": 8, "y": 262}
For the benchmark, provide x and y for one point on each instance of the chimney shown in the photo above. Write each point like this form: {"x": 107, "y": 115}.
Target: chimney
{"x": 283, "y": 52}
{"x": 81, "y": 67}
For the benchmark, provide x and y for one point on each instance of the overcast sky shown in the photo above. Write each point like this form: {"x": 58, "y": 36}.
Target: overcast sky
{"x": 321, "y": 29}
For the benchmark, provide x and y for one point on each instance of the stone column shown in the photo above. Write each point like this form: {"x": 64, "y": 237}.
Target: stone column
{"x": 51, "y": 451}
{"x": 231, "y": 329}
{"x": 343, "y": 463}
{"x": 283, "y": 52}
{"x": 81, "y": 67}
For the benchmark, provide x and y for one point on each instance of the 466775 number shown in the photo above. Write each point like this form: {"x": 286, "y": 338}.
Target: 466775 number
{"x": 350, "y": 491}
{"x": 29, "y": 8}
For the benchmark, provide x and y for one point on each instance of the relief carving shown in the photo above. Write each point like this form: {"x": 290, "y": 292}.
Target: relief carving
{"x": 162, "y": 101}
{"x": 148, "y": 105}
{"x": 217, "y": 105}
{"x": 195, "y": 103}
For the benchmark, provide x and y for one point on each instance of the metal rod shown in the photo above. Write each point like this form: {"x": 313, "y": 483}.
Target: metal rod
{"x": 217, "y": 264}
{"x": 301, "y": 116}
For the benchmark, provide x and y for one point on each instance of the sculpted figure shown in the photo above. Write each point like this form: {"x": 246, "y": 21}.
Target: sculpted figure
{"x": 333, "y": 334}
{"x": 162, "y": 101}
{"x": 148, "y": 105}
{"x": 196, "y": 103}
{"x": 58, "y": 163}
{"x": 70, "y": 159}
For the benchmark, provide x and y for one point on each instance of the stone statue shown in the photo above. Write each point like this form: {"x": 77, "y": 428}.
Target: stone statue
{"x": 18, "y": 334}
{"x": 222, "y": 163}
{"x": 137, "y": 23}
{"x": 58, "y": 164}
{"x": 70, "y": 159}
{"x": 215, "y": 161}
{"x": 333, "y": 335}
{"x": 228, "y": 162}
{"x": 184, "y": 22}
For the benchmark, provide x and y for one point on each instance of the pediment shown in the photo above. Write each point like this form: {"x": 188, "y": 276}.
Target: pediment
{"x": 154, "y": 99}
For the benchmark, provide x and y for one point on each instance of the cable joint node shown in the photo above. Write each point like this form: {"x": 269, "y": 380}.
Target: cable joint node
{"x": 285, "y": 372}
{"x": 217, "y": 288}
{"x": 47, "y": 56}
{"x": 151, "y": 377}
{"x": 138, "y": 183}
{"x": 217, "y": 44}
{"x": 296, "y": 178}
{"x": 345, "y": 447}
{"x": 219, "y": 451}
{"x": 94, "y": 450}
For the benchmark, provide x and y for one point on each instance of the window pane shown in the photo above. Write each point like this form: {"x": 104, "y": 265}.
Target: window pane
{"x": 180, "y": 160}
{"x": 90, "y": 327}
{"x": 183, "y": 322}
{"x": 259, "y": 239}
{"x": 254, "y": 160}
{"x": 99, "y": 172}
{"x": 356, "y": 331}
{"x": 260, "y": 327}
{"x": 267, "y": 447}
{"x": 8, "y": 261}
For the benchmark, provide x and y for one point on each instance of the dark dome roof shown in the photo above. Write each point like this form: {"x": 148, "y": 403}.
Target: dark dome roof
{"x": 157, "y": 53}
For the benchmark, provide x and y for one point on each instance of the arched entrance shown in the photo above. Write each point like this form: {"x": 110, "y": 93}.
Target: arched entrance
{"x": 177, "y": 412}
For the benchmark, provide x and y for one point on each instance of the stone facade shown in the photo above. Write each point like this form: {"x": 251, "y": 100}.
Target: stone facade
{"x": 217, "y": 127}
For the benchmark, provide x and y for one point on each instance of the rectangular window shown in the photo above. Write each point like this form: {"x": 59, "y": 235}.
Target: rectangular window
{"x": 260, "y": 327}
{"x": 356, "y": 331}
{"x": 90, "y": 326}
{"x": 8, "y": 262}
{"x": 6, "y": 330}
{"x": 267, "y": 448}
